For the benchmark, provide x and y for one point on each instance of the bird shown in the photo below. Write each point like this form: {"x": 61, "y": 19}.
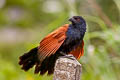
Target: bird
{"x": 67, "y": 39}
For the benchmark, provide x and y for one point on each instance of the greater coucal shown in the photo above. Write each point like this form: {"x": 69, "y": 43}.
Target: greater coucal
{"x": 67, "y": 39}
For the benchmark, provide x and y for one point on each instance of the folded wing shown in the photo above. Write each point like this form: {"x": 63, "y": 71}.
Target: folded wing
{"x": 52, "y": 42}
{"x": 79, "y": 51}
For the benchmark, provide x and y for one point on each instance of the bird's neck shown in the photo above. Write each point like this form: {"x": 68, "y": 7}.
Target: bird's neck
{"x": 81, "y": 28}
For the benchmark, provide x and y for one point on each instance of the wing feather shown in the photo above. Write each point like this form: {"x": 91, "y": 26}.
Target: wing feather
{"x": 79, "y": 51}
{"x": 51, "y": 43}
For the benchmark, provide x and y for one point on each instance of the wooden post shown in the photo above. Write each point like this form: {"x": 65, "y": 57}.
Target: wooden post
{"x": 67, "y": 69}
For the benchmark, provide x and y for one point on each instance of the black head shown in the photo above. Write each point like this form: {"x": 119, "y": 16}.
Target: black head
{"x": 79, "y": 23}
{"x": 77, "y": 20}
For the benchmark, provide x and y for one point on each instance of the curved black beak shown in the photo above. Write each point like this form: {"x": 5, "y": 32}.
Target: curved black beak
{"x": 72, "y": 20}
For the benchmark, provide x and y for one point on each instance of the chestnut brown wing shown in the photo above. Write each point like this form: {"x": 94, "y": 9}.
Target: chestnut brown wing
{"x": 52, "y": 42}
{"x": 79, "y": 51}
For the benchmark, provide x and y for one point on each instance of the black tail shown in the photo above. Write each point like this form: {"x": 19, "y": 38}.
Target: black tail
{"x": 47, "y": 65}
{"x": 28, "y": 60}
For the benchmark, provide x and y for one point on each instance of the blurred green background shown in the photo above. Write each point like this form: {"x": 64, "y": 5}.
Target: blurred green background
{"x": 23, "y": 23}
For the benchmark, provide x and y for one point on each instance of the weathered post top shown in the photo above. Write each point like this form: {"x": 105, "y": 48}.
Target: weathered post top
{"x": 67, "y": 69}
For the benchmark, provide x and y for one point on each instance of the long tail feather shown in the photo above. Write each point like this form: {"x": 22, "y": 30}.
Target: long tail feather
{"x": 28, "y": 60}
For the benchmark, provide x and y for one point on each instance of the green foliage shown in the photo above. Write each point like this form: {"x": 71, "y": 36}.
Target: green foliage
{"x": 19, "y": 33}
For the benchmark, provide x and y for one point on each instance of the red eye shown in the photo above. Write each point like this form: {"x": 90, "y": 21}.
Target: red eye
{"x": 78, "y": 20}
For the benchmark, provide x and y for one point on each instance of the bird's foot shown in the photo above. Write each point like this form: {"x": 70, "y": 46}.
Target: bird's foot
{"x": 69, "y": 56}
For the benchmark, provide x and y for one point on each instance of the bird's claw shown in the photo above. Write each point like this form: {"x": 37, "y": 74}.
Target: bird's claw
{"x": 69, "y": 56}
